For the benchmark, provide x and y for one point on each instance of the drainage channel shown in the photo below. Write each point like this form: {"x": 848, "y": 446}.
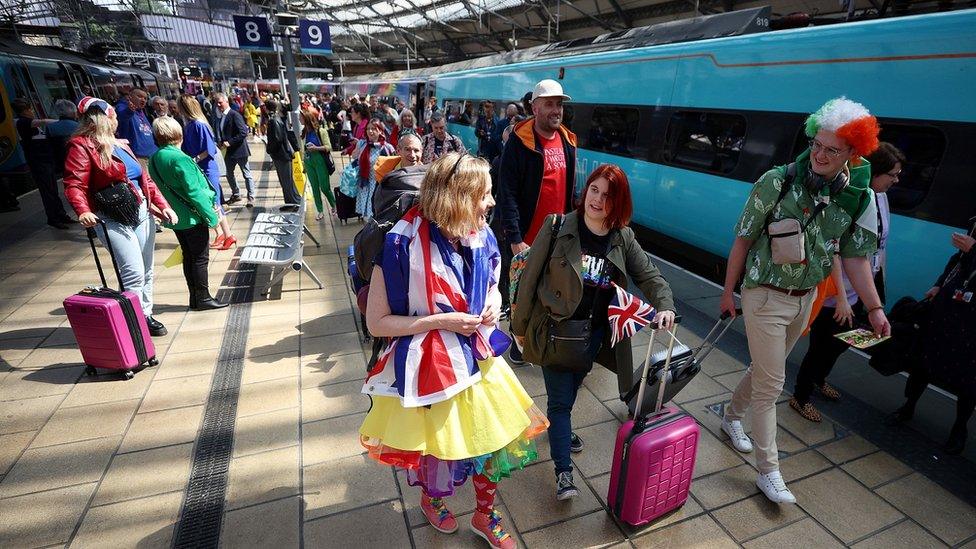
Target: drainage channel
{"x": 203, "y": 503}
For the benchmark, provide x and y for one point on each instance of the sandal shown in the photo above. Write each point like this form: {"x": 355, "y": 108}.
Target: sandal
{"x": 319, "y": 216}
{"x": 807, "y": 411}
{"x": 829, "y": 392}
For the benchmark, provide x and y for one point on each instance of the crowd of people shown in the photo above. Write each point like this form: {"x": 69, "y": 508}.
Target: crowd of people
{"x": 809, "y": 253}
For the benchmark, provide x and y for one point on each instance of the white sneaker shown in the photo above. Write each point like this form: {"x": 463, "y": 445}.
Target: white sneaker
{"x": 740, "y": 440}
{"x": 774, "y": 487}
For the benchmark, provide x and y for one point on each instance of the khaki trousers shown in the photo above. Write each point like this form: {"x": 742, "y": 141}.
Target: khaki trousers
{"x": 774, "y": 321}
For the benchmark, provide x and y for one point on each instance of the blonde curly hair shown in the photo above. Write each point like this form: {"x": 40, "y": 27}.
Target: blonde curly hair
{"x": 451, "y": 190}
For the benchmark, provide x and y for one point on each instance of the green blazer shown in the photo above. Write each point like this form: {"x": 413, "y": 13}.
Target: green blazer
{"x": 185, "y": 187}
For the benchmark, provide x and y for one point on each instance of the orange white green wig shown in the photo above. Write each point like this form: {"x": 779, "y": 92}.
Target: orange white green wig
{"x": 850, "y": 121}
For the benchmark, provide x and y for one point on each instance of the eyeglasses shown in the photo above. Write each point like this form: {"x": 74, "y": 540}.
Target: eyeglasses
{"x": 894, "y": 175}
{"x": 816, "y": 146}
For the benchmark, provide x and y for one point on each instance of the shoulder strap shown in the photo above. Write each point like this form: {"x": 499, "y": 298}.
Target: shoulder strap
{"x": 785, "y": 188}
{"x": 185, "y": 202}
{"x": 557, "y": 223}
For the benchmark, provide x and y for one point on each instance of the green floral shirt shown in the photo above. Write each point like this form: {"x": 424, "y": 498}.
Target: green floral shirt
{"x": 829, "y": 232}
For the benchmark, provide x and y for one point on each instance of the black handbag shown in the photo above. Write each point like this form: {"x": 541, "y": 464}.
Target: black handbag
{"x": 567, "y": 346}
{"x": 118, "y": 202}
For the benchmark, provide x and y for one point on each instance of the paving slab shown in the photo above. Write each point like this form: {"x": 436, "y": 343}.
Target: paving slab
{"x": 75, "y": 463}
{"x": 847, "y": 449}
{"x": 272, "y": 525}
{"x": 858, "y": 513}
{"x": 343, "y": 484}
{"x": 117, "y": 525}
{"x": 537, "y": 483}
{"x": 930, "y": 505}
{"x": 270, "y": 431}
{"x": 180, "y": 363}
{"x": 268, "y": 396}
{"x": 325, "y": 370}
{"x": 43, "y": 518}
{"x": 267, "y": 476}
{"x": 756, "y": 516}
{"x": 701, "y": 531}
{"x": 876, "y": 469}
{"x": 904, "y": 535}
{"x": 162, "y": 428}
{"x": 805, "y": 533}
{"x": 180, "y": 392}
{"x": 331, "y": 439}
{"x": 375, "y": 526}
{"x": 29, "y": 414}
{"x": 86, "y": 422}
{"x": 147, "y": 473}
{"x": 593, "y": 530}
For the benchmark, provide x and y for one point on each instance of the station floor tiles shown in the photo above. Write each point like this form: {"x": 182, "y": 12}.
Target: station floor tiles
{"x": 100, "y": 462}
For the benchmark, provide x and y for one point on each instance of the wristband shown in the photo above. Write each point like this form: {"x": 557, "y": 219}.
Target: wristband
{"x": 873, "y": 309}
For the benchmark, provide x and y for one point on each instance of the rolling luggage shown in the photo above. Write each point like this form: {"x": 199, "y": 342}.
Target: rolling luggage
{"x": 345, "y": 206}
{"x": 109, "y": 325}
{"x": 685, "y": 365}
{"x": 359, "y": 287}
{"x": 654, "y": 457}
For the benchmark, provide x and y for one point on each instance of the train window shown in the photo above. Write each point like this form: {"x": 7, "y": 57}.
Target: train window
{"x": 569, "y": 116}
{"x": 705, "y": 141}
{"x": 924, "y": 147}
{"x": 613, "y": 130}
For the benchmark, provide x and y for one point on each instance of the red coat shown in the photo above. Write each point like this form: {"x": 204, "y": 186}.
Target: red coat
{"x": 85, "y": 173}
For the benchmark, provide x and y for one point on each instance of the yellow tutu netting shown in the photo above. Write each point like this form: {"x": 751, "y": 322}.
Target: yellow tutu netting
{"x": 486, "y": 429}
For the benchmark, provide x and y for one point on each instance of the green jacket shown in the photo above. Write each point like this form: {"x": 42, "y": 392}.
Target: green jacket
{"x": 185, "y": 187}
{"x": 553, "y": 287}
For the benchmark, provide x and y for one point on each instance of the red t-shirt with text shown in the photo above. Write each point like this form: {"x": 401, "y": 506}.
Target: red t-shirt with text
{"x": 552, "y": 192}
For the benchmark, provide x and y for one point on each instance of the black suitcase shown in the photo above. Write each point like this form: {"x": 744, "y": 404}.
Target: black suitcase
{"x": 685, "y": 365}
{"x": 345, "y": 206}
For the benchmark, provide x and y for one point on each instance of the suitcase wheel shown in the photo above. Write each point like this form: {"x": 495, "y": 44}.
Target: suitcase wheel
{"x": 127, "y": 375}
{"x": 153, "y": 362}
{"x": 90, "y": 371}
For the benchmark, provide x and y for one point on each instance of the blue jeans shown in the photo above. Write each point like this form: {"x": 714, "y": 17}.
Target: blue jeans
{"x": 561, "y": 390}
{"x": 232, "y": 163}
{"x": 133, "y": 248}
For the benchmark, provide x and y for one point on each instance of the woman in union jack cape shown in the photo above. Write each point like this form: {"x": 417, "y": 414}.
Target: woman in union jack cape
{"x": 593, "y": 257}
{"x": 446, "y": 406}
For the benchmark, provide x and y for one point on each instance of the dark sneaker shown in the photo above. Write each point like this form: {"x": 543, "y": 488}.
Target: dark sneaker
{"x": 575, "y": 443}
{"x": 234, "y": 199}
{"x": 565, "y": 488}
{"x": 156, "y": 328}
{"x": 514, "y": 354}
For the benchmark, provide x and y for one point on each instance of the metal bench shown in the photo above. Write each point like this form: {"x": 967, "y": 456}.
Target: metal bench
{"x": 276, "y": 240}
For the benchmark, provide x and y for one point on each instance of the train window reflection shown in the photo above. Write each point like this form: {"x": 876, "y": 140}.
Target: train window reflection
{"x": 705, "y": 141}
{"x": 613, "y": 130}
{"x": 924, "y": 147}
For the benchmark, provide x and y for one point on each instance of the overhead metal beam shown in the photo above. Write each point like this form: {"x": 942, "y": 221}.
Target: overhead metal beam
{"x": 627, "y": 21}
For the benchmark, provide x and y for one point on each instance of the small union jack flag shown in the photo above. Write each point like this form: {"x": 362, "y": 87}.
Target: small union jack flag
{"x": 627, "y": 315}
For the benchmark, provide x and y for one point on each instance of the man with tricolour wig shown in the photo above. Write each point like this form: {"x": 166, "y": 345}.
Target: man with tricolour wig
{"x": 794, "y": 221}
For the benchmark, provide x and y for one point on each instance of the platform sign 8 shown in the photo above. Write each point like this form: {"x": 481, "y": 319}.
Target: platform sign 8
{"x": 253, "y": 33}
{"x": 314, "y": 36}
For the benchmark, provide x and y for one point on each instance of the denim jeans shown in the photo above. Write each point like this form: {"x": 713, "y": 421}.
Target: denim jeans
{"x": 235, "y": 190}
{"x": 133, "y": 248}
{"x": 561, "y": 391}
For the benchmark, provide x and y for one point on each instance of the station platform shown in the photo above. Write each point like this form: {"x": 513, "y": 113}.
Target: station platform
{"x": 246, "y": 434}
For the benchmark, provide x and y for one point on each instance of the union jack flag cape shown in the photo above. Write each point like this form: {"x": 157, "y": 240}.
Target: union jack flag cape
{"x": 422, "y": 279}
{"x": 627, "y": 315}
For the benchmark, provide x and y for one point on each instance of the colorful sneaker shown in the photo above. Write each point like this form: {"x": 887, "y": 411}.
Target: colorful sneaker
{"x": 438, "y": 515}
{"x": 489, "y": 527}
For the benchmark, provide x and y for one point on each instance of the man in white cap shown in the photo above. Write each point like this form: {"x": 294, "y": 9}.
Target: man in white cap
{"x": 536, "y": 173}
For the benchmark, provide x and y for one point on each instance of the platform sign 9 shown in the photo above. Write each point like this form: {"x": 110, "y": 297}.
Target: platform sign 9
{"x": 253, "y": 33}
{"x": 314, "y": 36}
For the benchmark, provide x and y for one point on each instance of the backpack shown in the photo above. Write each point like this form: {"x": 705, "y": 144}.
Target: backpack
{"x": 397, "y": 193}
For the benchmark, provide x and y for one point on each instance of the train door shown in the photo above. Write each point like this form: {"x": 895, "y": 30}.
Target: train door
{"x": 78, "y": 80}
{"x": 105, "y": 84}
{"x": 420, "y": 102}
{"x": 50, "y": 82}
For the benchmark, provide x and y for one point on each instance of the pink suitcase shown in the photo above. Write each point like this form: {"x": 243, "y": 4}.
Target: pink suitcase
{"x": 653, "y": 459}
{"x": 109, "y": 325}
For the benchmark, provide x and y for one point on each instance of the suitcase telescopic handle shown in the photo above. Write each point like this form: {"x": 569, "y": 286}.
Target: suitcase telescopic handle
{"x": 664, "y": 373}
{"x": 111, "y": 253}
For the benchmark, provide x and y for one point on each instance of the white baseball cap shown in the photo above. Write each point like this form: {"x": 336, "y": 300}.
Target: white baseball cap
{"x": 549, "y": 88}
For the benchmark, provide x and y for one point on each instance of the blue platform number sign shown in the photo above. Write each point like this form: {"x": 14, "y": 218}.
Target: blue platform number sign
{"x": 253, "y": 33}
{"x": 314, "y": 36}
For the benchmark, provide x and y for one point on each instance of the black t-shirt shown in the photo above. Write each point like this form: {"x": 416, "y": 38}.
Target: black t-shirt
{"x": 597, "y": 274}
{"x": 34, "y": 141}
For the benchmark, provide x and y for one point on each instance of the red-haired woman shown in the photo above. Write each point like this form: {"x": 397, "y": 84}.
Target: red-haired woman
{"x": 593, "y": 247}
